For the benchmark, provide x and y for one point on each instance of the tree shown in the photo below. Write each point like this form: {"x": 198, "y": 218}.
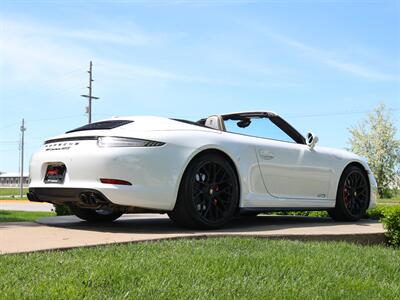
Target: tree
{"x": 375, "y": 139}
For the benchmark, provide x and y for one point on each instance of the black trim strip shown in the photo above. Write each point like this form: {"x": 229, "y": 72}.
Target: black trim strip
{"x": 198, "y": 123}
{"x": 288, "y": 129}
{"x": 240, "y": 116}
{"x": 69, "y": 139}
{"x": 278, "y": 209}
{"x": 148, "y": 143}
{"x": 59, "y": 195}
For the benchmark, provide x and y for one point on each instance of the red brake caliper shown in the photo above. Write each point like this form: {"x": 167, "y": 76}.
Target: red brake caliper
{"x": 216, "y": 188}
{"x": 346, "y": 195}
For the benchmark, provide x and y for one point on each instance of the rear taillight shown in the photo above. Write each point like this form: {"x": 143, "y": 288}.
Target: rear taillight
{"x": 114, "y": 141}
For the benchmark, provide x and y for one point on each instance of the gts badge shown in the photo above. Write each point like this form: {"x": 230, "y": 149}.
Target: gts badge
{"x": 59, "y": 146}
{"x": 321, "y": 196}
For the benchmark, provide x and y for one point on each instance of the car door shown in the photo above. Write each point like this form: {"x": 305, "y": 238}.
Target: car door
{"x": 294, "y": 171}
{"x": 289, "y": 168}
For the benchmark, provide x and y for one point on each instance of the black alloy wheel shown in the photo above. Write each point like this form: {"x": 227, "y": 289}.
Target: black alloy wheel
{"x": 208, "y": 195}
{"x": 353, "y": 195}
{"x": 212, "y": 191}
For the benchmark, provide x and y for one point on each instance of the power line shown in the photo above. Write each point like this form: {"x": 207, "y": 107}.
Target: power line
{"x": 55, "y": 118}
{"x": 10, "y": 125}
{"x": 25, "y": 148}
{"x": 49, "y": 85}
{"x": 50, "y": 91}
{"x": 50, "y": 119}
{"x": 327, "y": 114}
{"x": 289, "y": 115}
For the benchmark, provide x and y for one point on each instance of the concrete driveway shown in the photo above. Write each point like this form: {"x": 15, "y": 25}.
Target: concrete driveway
{"x": 24, "y": 205}
{"x": 69, "y": 232}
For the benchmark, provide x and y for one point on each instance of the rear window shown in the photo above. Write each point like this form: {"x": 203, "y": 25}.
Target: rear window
{"x": 102, "y": 125}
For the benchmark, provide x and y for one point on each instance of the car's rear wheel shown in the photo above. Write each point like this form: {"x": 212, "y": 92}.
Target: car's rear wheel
{"x": 352, "y": 196}
{"x": 208, "y": 194}
{"x": 98, "y": 215}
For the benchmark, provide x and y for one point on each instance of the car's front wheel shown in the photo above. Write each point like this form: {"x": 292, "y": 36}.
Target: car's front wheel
{"x": 353, "y": 195}
{"x": 208, "y": 194}
{"x": 98, "y": 215}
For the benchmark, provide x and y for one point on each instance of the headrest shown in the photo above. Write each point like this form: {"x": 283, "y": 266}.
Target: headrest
{"x": 215, "y": 122}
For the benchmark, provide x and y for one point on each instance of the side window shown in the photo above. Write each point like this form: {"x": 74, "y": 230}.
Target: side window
{"x": 258, "y": 127}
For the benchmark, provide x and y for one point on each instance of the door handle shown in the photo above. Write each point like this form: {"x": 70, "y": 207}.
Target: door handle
{"x": 265, "y": 154}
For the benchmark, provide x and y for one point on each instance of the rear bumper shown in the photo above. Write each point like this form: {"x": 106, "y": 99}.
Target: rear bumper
{"x": 82, "y": 198}
{"x": 154, "y": 173}
{"x": 75, "y": 196}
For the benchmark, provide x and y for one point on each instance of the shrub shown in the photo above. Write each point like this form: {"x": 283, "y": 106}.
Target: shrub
{"x": 322, "y": 213}
{"x": 380, "y": 211}
{"x": 376, "y": 213}
{"x": 391, "y": 222}
{"x": 62, "y": 210}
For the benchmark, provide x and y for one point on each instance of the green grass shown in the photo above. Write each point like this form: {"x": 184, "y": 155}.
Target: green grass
{"x": 20, "y": 216}
{"x": 216, "y": 268}
{"x": 12, "y": 191}
{"x": 4, "y": 198}
{"x": 12, "y": 194}
{"x": 389, "y": 201}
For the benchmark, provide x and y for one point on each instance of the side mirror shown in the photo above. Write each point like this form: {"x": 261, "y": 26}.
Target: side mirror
{"x": 311, "y": 140}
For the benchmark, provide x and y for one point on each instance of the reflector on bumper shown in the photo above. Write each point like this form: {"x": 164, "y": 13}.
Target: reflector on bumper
{"x": 114, "y": 181}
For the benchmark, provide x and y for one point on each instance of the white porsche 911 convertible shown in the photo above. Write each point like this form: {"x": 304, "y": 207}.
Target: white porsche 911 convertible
{"x": 201, "y": 173}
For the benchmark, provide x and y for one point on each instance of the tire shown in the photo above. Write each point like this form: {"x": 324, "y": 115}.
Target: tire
{"x": 208, "y": 194}
{"x": 249, "y": 214}
{"x": 95, "y": 216}
{"x": 353, "y": 195}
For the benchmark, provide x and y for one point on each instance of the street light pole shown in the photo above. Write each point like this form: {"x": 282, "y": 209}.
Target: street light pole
{"x": 90, "y": 97}
{"x": 21, "y": 180}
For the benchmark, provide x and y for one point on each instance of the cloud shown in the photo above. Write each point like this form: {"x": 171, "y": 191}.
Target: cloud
{"x": 57, "y": 57}
{"x": 124, "y": 34}
{"x": 32, "y": 52}
{"x": 136, "y": 72}
{"x": 360, "y": 70}
{"x": 62, "y": 65}
{"x": 330, "y": 59}
{"x": 36, "y": 62}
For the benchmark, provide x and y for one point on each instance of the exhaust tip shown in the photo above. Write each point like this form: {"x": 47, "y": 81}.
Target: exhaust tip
{"x": 92, "y": 199}
{"x": 32, "y": 197}
{"x": 83, "y": 197}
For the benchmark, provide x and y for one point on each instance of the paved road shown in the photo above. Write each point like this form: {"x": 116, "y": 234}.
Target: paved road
{"x": 25, "y": 205}
{"x": 69, "y": 232}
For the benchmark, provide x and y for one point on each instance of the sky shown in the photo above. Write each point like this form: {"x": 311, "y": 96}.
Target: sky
{"x": 322, "y": 65}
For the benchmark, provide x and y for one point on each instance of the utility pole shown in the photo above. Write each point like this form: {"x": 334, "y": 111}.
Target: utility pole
{"x": 90, "y": 97}
{"x": 21, "y": 180}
